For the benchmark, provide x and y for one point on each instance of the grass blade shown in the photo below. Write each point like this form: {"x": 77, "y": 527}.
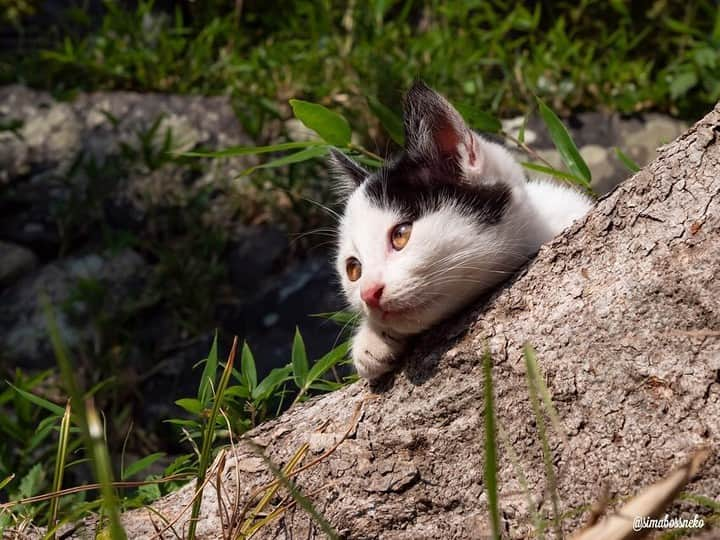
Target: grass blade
{"x": 103, "y": 471}
{"x": 209, "y": 437}
{"x": 532, "y": 383}
{"x": 59, "y": 472}
{"x": 491, "y": 465}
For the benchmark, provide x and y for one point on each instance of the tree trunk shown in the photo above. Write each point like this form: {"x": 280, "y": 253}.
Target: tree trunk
{"x": 623, "y": 312}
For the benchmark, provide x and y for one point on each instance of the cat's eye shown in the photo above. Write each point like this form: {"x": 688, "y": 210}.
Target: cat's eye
{"x": 400, "y": 235}
{"x": 353, "y": 268}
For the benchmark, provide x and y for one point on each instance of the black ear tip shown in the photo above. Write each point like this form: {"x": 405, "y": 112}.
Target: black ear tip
{"x": 421, "y": 94}
{"x": 419, "y": 87}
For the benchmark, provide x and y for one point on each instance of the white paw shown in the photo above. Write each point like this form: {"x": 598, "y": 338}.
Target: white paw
{"x": 374, "y": 354}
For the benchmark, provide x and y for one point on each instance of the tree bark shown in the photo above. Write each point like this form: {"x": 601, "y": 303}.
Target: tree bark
{"x": 623, "y": 311}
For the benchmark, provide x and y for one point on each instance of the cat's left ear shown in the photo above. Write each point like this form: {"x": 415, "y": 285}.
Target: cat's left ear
{"x": 435, "y": 129}
{"x": 347, "y": 172}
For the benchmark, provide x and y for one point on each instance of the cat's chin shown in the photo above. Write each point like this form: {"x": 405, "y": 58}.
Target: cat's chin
{"x": 406, "y": 321}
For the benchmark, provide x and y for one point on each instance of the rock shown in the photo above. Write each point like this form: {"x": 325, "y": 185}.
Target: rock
{"x": 640, "y": 138}
{"x": 105, "y": 155}
{"x": 74, "y": 286}
{"x": 14, "y": 262}
{"x": 257, "y": 254}
{"x": 268, "y": 319}
{"x": 48, "y": 134}
{"x": 605, "y": 172}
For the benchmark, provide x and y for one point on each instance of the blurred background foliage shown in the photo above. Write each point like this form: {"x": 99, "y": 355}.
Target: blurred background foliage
{"x": 623, "y": 56}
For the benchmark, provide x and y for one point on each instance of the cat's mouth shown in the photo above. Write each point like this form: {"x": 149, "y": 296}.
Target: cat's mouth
{"x": 390, "y": 313}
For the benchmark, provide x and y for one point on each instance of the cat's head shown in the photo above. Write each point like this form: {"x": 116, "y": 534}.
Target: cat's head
{"x": 434, "y": 227}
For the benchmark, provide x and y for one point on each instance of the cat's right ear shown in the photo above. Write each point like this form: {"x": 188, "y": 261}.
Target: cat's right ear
{"x": 346, "y": 172}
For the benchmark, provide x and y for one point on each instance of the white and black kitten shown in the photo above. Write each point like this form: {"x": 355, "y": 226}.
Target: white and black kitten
{"x": 444, "y": 221}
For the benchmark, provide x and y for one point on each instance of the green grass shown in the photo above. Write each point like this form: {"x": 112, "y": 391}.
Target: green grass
{"x": 494, "y": 56}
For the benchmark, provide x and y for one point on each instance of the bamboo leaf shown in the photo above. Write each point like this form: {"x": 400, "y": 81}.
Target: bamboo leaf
{"x": 332, "y": 127}
{"x": 326, "y": 362}
{"x": 207, "y": 380}
{"x": 247, "y": 368}
{"x": 141, "y": 464}
{"x": 297, "y": 157}
{"x": 299, "y": 360}
{"x": 564, "y": 144}
{"x": 250, "y": 150}
{"x": 627, "y": 160}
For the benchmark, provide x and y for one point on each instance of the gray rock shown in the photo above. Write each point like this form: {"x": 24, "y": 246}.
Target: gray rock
{"x": 49, "y": 136}
{"x": 105, "y": 155}
{"x": 255, "y": 256}
{"x": 640, "y": 138}
{"x": 15, "y": 261}
{"x": 23, "y": 330}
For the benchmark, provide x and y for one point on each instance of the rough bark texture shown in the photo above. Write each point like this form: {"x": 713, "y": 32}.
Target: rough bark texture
{"x": 623, "y": 312}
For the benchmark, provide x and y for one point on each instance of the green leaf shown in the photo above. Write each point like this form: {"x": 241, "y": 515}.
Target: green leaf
{"x": 207, "y": 380}
{"x": 565, "y": 145}
{"x": 332, "y": 127}
{"x": 269, "y": 384}
{"x": 479, "y": 120}
{"x": 193, "y": 406}
{"x": 297, "y": 157}
{"x": 149, "y": 492}
{"x": 239, "y": 391}
{"x": 247, "y": 367}
{"x": 32, "y": 481}
{"x": 340, "y": 317}
{"x": 327, "y": 361}
{"x": 389, "y": 120}
{"x": 249, "y": 150}
{"x": 40, "y": 402}
{"x": 627, "y": 161}
{"x": 299, "y": 360}
{"x": 141, "y": 465}
{"x": 554, "y": 172}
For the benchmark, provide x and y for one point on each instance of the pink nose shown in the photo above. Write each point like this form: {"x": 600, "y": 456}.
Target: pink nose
{"x": 371, "y": 295}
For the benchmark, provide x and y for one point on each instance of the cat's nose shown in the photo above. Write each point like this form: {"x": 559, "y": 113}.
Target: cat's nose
{"x": 371, "y": 294}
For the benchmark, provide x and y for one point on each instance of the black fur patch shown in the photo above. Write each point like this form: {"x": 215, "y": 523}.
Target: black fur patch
{"x": 417, "y": 187}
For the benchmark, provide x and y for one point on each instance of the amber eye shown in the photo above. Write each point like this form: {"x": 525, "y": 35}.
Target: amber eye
{"x": 400, "y": 235}
{"x": 353, "y": 269}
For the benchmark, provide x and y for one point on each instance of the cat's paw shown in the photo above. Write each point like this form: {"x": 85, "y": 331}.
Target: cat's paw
{"x": 373, "y": 353}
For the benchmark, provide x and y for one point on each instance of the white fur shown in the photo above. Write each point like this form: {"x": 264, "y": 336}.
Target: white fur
{"x": 449, "y": 259}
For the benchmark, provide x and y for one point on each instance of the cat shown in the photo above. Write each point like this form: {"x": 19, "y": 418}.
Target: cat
{"x": 442, "y": 222}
